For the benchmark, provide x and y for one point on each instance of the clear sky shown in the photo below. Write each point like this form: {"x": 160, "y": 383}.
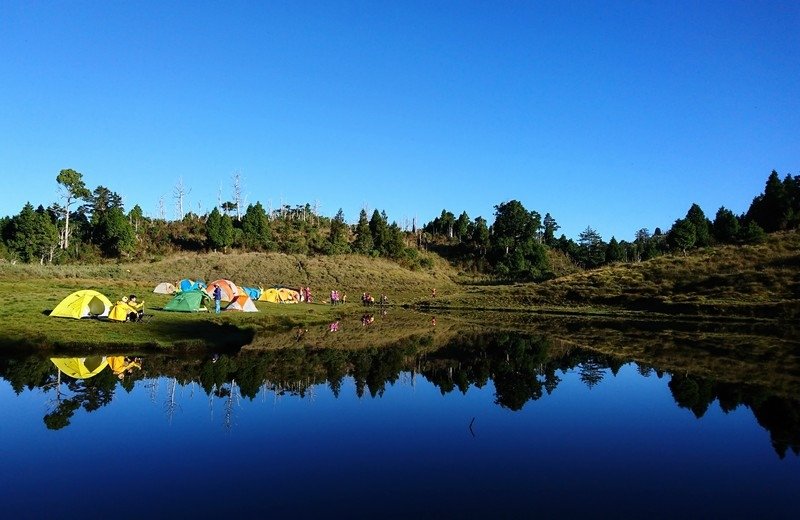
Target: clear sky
{"x": 614, "y": 115}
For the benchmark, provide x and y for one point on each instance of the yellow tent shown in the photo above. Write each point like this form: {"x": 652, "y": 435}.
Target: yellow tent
{"x": 83, "y": 304}
{"x": 279, "y": 295}
{"x": 81, "y": 368}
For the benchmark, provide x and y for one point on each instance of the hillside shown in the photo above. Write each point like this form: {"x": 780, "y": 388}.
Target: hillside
{"x": 760, "y": 281}
{"x": 352, "y": 274}
{"x": 744, "y": 283}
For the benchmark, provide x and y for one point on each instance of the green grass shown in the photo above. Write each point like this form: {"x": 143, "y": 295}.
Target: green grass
{"x": 753, "y": 282}
{"x": 761, "y": 281}
{"x": 29, "y": 292}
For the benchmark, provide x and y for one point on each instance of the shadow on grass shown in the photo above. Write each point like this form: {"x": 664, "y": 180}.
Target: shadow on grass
{"x": 200, "y": 333}
{"x": 162, "y": 335}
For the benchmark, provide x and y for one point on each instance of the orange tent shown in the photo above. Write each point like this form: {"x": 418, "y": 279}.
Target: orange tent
{"x": 229, "y": 289}
{"x": 242, "y": 303}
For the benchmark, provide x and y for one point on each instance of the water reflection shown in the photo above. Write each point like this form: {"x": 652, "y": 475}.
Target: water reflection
{"x": 522, "y": 368}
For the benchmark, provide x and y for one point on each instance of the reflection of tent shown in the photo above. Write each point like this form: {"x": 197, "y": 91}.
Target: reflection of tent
{"x": 83, "y": 304}
{"x": 280, "y": 295}
{"x": 188, "y": 301}
{"x": 164, "y": 288}
{"x": 81, "y": 368}
{"x": 242, "y": 303}
{"x": 229, "y": 289}
{"x": 252, "y": 292}
{"x": 188, "y": 285}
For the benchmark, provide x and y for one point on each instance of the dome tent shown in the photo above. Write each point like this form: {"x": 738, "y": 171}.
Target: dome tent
{"x": 85, "y": 303}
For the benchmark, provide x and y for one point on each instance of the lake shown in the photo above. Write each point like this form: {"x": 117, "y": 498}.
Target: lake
{"x": 459, "y": 420}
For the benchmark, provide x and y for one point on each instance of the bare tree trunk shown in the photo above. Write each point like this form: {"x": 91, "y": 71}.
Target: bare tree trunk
{"x": 179, "y": 194}
{"x": 237, "y": 194}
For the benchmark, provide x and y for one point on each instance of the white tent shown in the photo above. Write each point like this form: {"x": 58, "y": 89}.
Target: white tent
{"x": 164, "y": 288}
{"x": 242, "y": 303}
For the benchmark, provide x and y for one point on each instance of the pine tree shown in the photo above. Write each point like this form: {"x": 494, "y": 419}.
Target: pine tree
{"x": 702, "y": 226}
{"x": 380, "y": 232}
{"x": 256, "y": 234}
{"x": 33, "y": 236}
{"x": 114, "y": 233}
{"x": 726, "y": 226}
{"x": 550, "y": 228}
{"x": 337, "y": 238}
{"x": 682, "y": 235}
{"x": 219, "y": 230}
{"x": 363, "y": 242}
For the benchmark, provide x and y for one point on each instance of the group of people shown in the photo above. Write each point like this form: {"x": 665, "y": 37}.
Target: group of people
{"x": 337, "y": 297}
{"x": 368, "y": 300}
{"x": 128, "y": 308}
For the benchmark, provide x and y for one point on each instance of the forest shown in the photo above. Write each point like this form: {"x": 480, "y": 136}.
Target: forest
{"x": 90, "y": 226}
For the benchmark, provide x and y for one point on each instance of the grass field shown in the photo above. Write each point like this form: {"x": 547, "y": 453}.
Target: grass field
{"x": 759, "y": 282}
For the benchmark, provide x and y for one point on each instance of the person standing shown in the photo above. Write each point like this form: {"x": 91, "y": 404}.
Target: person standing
{"x": 217, "y": 297}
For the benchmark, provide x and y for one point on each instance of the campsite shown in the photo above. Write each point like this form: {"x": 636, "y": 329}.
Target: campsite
{"x": 29, "y": 294}
{"x": 27, "y": 323}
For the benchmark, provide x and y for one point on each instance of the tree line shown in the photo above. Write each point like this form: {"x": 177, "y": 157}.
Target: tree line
{"x": 92, "y": 225}
{"x": 515, "y": 246}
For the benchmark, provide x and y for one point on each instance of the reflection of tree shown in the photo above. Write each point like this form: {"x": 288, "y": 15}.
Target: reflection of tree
{"x": 171, "y": 404}
{"x": 692, "y": 393}
{"x": 644, "y": 370}
{"x": 30, "y": 372}
{"x": 518, "y": 365}
{"x": 591, "y": 372}
{"x": 91, "y": 394}
{"x": 781, "y": 417}
{"x": 522, "y": 367}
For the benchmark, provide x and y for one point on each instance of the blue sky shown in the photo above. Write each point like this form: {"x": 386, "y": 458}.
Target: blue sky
{"x": 614, "y": 115}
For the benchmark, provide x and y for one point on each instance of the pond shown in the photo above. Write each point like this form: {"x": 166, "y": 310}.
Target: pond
{"x": 460, "y": 422}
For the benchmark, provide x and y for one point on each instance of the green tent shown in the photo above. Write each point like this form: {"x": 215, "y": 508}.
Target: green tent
{"x": 189, "y": 301}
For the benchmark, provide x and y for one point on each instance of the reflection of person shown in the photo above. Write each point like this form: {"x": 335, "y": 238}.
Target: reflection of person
{"x": 217, "y": 297}
{"x": 121, "y": 365}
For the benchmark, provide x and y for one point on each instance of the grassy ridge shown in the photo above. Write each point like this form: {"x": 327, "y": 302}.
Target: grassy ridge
{"x": 352, "y": 274}
{"x": 761, "y": 281}
{"x": 29, "y": 292}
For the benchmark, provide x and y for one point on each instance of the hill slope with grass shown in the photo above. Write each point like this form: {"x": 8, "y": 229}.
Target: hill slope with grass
{"x": 758, "y": 281}
{"x": 748, "y": 282}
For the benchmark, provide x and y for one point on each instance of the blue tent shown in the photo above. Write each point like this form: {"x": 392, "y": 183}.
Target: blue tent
{"x": 188, "y": 285}
{"x": 252, "y": 292}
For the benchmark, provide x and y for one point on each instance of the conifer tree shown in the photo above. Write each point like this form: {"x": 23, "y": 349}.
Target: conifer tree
{"x": 726, "y": 226}
{"x": 337, "y": 238}
{"x": 363, "y": 242}
{"x": 380, "y": 232}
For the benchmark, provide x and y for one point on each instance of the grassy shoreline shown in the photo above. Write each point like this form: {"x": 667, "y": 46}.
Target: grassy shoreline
{"x": 746, "y": 285}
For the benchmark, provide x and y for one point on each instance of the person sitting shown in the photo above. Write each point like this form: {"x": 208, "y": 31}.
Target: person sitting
{"x": 137, "y": 309}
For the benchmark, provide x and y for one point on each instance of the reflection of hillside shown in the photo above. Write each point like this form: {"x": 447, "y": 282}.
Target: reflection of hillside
{"x": 523, "y": 367}
{"x": 751, "y": 354}
{"x": 385, "y": 328}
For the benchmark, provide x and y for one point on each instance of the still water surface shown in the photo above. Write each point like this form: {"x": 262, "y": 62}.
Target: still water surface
{"x": 496, "y": 425}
